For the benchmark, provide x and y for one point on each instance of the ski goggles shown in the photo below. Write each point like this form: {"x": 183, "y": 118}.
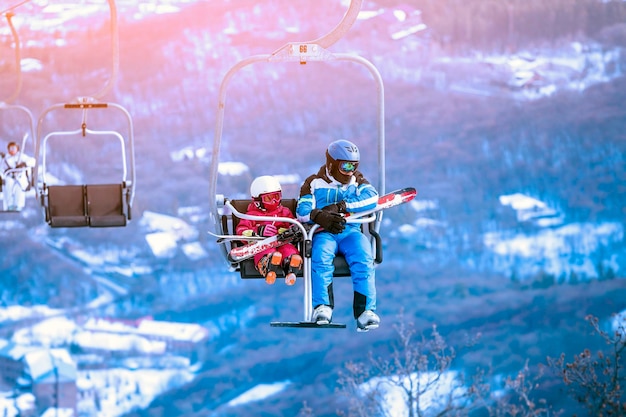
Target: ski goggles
{"x": 348, "y": 166}
{"x": 271, "y": 198}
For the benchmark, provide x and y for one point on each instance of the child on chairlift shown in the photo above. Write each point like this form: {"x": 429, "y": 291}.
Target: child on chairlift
{"x": 266, "y": 193}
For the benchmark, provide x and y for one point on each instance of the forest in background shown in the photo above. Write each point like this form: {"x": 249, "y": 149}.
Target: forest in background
{"x": 565, "y": 150}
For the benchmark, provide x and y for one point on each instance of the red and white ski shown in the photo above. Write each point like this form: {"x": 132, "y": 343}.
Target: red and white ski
{"x": 241, "y": 253}
{"x": 294, "y": 234}
{"x": 389, "y": 200}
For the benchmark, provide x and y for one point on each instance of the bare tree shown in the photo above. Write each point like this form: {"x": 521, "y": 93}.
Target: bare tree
{"x": 416, "y": 376}
{"x": 519, "y": 397}
{"x": 418, "y": 379}
{"x": 597, "y": 381}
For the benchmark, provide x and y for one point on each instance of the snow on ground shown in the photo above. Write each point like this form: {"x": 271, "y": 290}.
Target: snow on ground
{"x": 618, "y": 325}
{"x": 259, "y": 392}
{"x": 108, "y": 392}
{"x": 546, "y": 246}
{"x": 58, "y": 412}
{"x": 162, "y": 244}
{"x": 432, "y": 390}
{"x": 556, "y": 250}
{"x": 152, "y": 221}
{"x": 14, "y": 407}
{"x": 118, "y": 391}
{"x": 556, "y": 243}
{"x": 52, "y": 332}
{"x": 194, "y": 251}
{"x": 164, "y": 233}
{"x": 527, "y": 208}
{"x": 15, "y": 313}
{"x": 232, "y": 168}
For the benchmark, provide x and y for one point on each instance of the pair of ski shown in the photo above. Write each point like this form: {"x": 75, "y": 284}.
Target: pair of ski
{"x": 294, "y": 234}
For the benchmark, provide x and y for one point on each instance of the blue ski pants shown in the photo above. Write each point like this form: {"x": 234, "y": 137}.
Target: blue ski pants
{"x": 356, "y": 248}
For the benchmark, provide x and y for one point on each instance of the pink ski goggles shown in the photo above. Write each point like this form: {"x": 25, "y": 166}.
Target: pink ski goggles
{"x": 271, "y": 198}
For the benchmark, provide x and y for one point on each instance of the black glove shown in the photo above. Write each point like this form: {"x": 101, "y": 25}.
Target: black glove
{"x": 331, "y": 222}
{"x": 340, "y": 207}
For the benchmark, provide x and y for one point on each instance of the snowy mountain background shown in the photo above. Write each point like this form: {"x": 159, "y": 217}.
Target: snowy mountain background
{"x": 517, "y": 152}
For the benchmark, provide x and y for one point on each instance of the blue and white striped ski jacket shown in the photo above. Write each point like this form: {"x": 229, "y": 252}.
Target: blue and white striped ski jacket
{"x": 321, "y": 189}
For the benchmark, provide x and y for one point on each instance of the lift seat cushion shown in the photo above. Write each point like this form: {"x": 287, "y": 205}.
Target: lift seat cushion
{"x": 67, "y": 206}
{"x": 105, "y": 205}
{"x": 98, "y": 205}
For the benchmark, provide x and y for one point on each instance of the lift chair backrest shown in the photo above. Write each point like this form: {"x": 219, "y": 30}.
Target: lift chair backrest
{"x": 94, "y": 205}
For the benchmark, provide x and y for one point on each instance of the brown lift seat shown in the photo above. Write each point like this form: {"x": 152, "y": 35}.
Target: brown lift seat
{"x": 105, "y": 205}
{"x": 66, "y": 206}
{"x": 94, "y": 205}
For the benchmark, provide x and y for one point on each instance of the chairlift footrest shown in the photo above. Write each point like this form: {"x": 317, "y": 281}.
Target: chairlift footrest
{"x": 307, "y": 324}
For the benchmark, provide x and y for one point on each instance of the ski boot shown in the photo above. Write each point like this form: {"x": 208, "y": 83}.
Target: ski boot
{"x": 368, "y": 320}
{"x": 292, "y": 266}
{"x": 322, "y": 314}
{"x": 268, "y": 265}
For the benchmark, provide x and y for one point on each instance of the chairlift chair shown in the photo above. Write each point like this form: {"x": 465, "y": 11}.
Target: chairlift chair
{"x": 7, "y": 171}
{"x": 97, "y": 204}
{"x": 5, "y": 106}
{"x": 226, "y": 213}
{"x": 94, "y": 204}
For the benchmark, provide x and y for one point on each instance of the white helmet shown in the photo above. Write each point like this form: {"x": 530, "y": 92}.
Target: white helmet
{"x": 263, "y": 185}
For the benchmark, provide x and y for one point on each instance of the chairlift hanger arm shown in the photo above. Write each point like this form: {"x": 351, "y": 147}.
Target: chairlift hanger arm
{"x": 18, "y": 59}
{"x": 115, "y": 42}
{"x": 18, "y": 85}
{"x": 316, "y": 49}
{"x": 342, "y": 27}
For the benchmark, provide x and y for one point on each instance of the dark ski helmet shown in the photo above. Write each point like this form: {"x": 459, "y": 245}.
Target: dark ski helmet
{"x": 342, "y": 156}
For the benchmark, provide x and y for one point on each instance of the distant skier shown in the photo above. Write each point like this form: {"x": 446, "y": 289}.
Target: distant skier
{"x": 16, "y": 167}
{"x": 338, "y": 187}
{"x": 267, "y": 195}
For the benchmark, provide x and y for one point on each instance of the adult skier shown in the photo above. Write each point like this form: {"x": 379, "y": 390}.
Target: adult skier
{"x": 338, "y": 188}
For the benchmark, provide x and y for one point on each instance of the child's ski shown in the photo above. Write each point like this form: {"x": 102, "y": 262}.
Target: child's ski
{"x": 294, "y": 234}
{"x": 241, "y": 253}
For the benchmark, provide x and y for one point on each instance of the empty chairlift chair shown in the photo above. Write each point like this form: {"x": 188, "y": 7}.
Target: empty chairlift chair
{"x": 92, "y": 204}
